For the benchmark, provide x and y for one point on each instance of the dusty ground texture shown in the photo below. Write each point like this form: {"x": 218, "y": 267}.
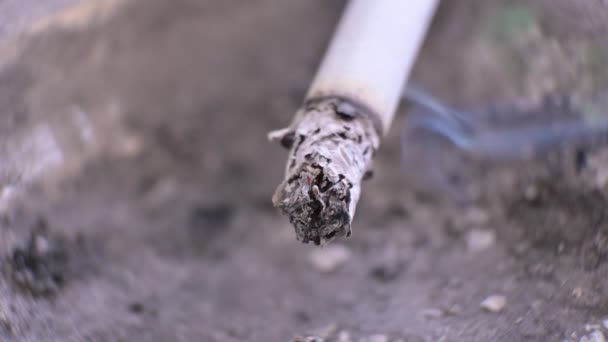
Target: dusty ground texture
{"x": 155, "y": 224}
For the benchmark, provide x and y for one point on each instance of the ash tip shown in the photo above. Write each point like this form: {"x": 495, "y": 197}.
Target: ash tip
{"x": 332, "y": 146}
{"x": 319, "y": 215}
{"x": 321, "y": 233}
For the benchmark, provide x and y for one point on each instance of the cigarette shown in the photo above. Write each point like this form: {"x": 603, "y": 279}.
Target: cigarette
{"x": 349, "y": 107}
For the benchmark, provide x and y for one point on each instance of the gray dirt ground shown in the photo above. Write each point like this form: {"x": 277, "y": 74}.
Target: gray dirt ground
{"x": 16, "y": 15}
{"x": 168, "y": 233}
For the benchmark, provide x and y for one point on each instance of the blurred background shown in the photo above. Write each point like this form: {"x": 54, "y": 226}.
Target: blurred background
{"x": 136, "y": 177}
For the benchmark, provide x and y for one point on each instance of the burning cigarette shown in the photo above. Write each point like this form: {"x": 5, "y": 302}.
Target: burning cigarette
{"x": 349, "y": 106}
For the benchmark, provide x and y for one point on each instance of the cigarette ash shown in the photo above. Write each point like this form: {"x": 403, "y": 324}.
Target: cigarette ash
{"x": 332, "y": 144}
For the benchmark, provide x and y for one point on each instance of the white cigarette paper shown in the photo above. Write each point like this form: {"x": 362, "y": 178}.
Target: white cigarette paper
{"x": 349, "y": 106}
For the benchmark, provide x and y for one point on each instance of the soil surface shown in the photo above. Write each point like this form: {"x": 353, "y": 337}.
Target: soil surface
{"x": 137, "y": 179}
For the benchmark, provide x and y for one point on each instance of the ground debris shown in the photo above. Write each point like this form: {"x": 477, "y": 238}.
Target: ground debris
{"x": 344, "y": 336}
{"x": 592, "y": 295}
{"x": 5, "y": 323}
{"x": 594, "y": 336}
{"x": 378, "y": 338}
{"x": 330, "y": 258}
{"x": 494, "y": 303}
{"x": 389, "y": 264}
{"x": 596, "y": 169}
{"x": 578, "y": 220}
{"x": 307, "y": 339}
{"x": 480, "y": 239}
{"x": 532, "y": 326}
{"x": 432, "y": 313}
{"x": 476, "y": 216}
{"x": 39, "y": 267}
{"x": 324, "y": 334}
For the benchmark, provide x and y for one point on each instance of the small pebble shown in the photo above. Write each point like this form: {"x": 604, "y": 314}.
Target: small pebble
{"x": 605, "y": 324}
{"x": 329, "y": 258}
{"x": 595, "y": 336}
{"x": 453, "y": 310}
{"x": 531, "y": 193}
{"x": 389, "y": 265}
{"x": 344, "y": 336}
{"x": 494, "y": 303}
{"x": 432, "y": 313}
{"x": 378, "y": 338}
{"x": 328, "y": 331}
{"x": 479, "y": 240}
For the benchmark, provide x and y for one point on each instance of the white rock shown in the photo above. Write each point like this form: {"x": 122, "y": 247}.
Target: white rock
{"x": 329, "y": 258}
{"x": 328, "y": 331}
{"x": 494, "y": 303}
{"x": 344, "y": 336}
{"x": 480, "y": 239}
{"x": 378, "y": 338}
{"x": 531, "y": 193}
{"x": 605, "y": 324}
{"x": 598, "y": 336}
{"x": 595, "y": 336}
